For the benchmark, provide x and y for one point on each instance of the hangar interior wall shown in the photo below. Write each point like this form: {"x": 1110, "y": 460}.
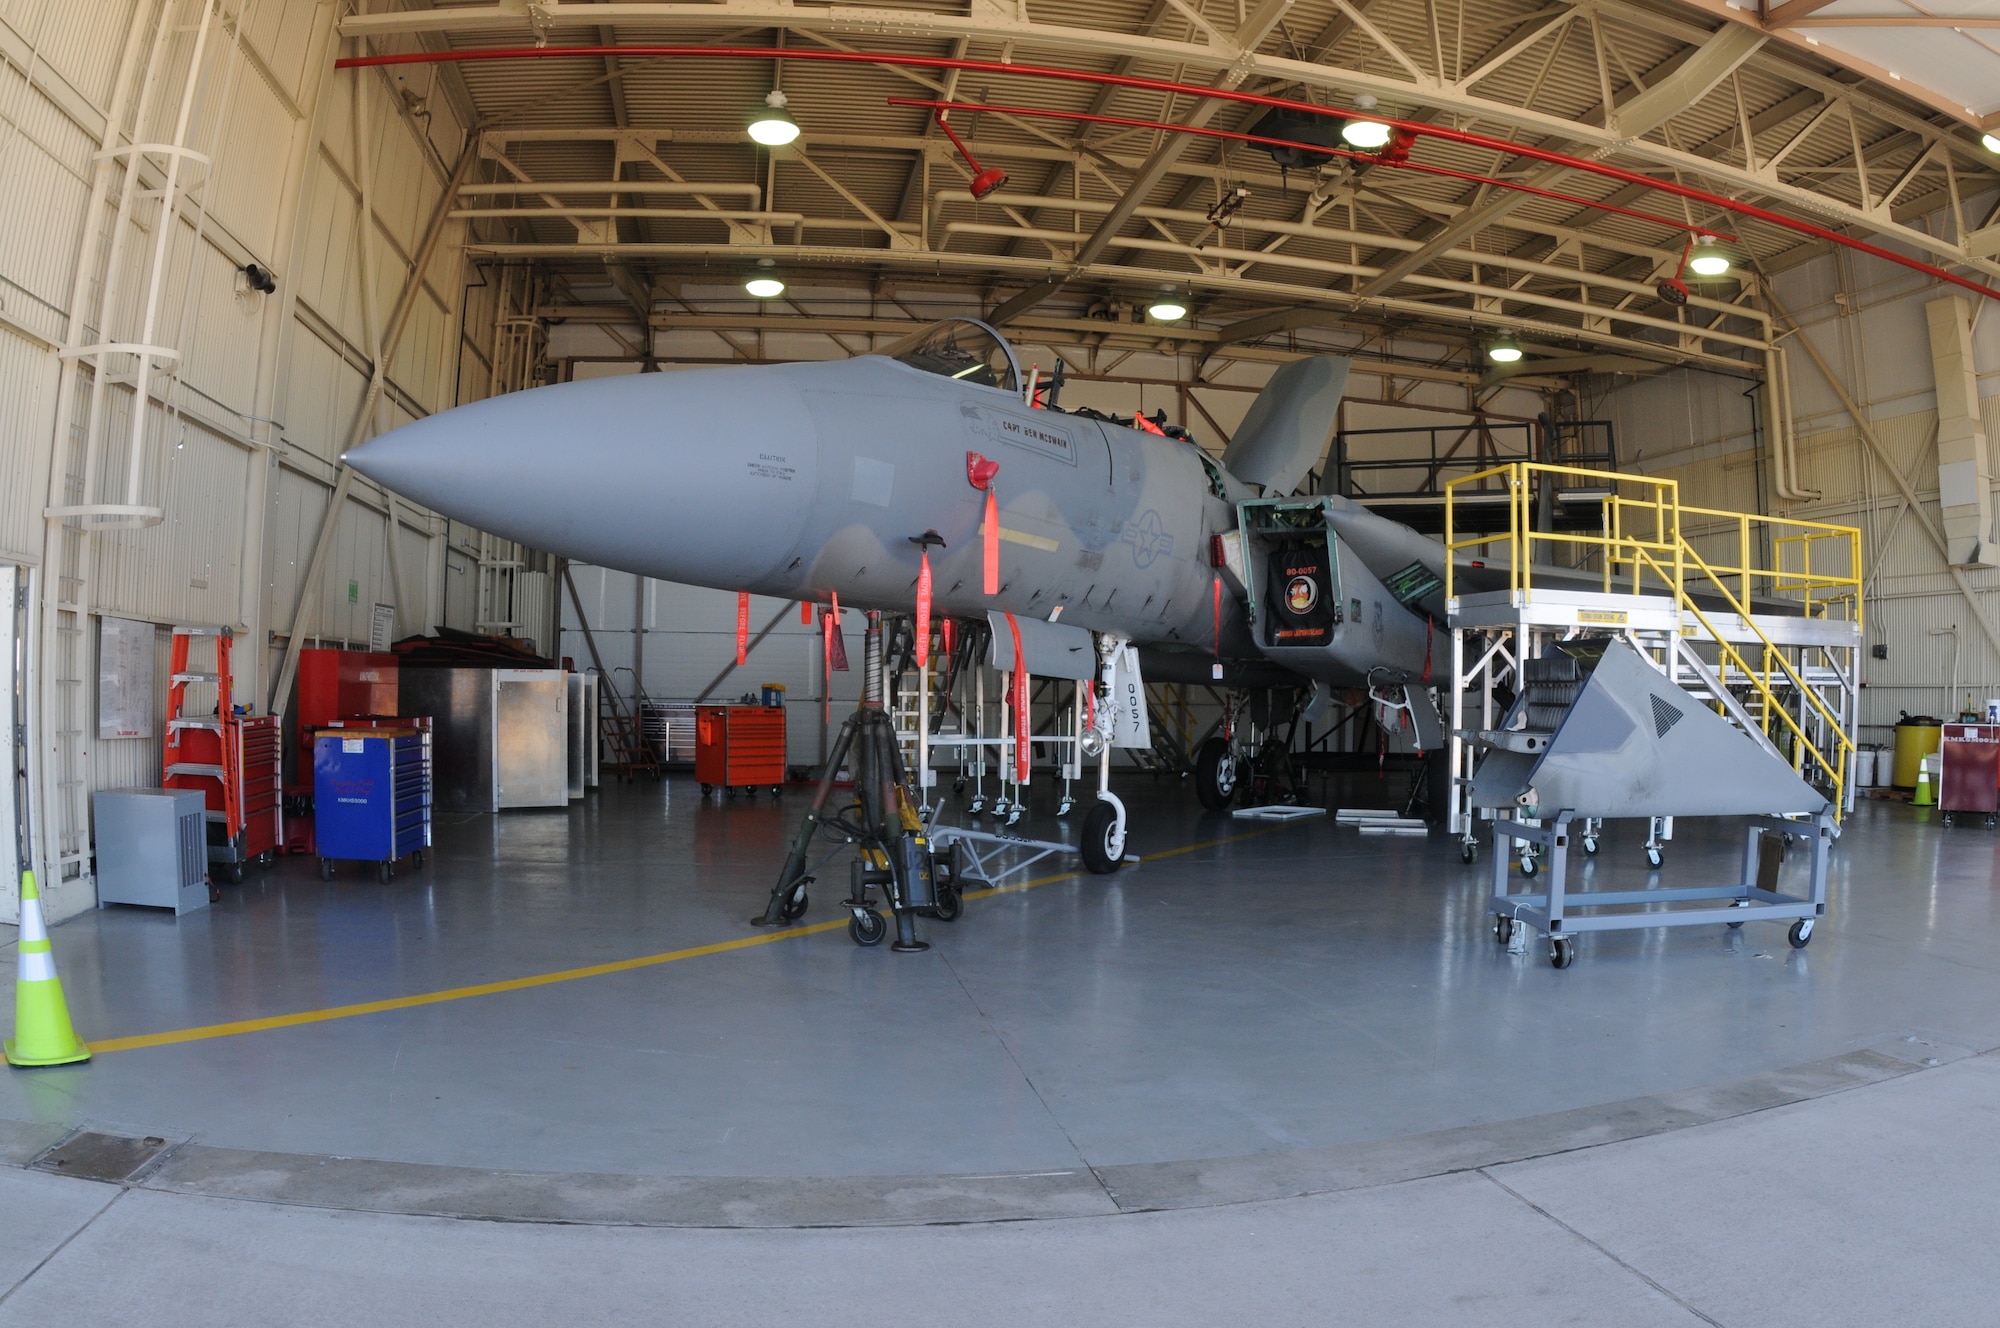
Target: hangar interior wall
{"x": 1866, "y": 319}
{"x": 325, "y": 180}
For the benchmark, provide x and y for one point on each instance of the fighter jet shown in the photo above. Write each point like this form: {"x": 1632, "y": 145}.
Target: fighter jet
{"x": 808, "y": 481}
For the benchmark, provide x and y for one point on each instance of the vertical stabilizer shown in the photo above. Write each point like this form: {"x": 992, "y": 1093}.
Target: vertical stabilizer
{"x": 1285, "y": 434}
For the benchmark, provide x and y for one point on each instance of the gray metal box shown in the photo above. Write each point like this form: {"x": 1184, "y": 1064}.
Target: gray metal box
{"x": 459, "y": 702}
{"x": 530, "y": 738}
{"x": 152, "y": 848}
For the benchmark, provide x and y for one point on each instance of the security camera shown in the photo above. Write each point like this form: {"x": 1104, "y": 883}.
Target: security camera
{"x": 259, "y": 279}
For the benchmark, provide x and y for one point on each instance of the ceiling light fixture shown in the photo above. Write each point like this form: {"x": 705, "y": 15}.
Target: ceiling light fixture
{"x": 1707, "y": 259}
{"x": 1368, "y": 134}
{"x": 774, "y": 126}
{"x": 1167, "y": 309}
{"x": 764, "y": 283}
{"x": 1504, "y": 350}
{"x": 1991, "y": 142}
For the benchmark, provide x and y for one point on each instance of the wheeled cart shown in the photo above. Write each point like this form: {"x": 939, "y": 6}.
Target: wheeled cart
{"x": 372, "y": 797}
{"x": 1970, "y": 772}
{"x": 1562, "y": 913}
{"x": 740, "y": 746}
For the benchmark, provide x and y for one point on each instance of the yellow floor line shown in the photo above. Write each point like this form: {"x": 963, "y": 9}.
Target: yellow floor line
{"x": 333, "y": 1012}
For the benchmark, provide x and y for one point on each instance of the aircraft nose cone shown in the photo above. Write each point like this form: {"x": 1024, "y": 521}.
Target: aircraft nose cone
{"x": 702, "y": 476}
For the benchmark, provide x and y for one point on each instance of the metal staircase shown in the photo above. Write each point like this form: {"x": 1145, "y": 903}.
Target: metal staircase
{"x": 1769, "y": 642}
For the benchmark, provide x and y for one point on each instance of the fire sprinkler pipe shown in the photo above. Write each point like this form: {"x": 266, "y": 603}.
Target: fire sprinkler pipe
{"x": 1263, "y": 140}
{"x": 1000, "y": 68}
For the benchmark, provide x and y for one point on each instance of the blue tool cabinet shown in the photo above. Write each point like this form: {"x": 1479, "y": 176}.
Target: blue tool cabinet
{"x": 372, "y": 797}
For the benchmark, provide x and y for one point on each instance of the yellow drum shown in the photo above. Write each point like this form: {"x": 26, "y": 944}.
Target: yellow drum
{"x": 1916, "y": 737}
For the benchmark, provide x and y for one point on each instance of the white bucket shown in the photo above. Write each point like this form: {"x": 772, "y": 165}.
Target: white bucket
{"x": 1864, "y": 768}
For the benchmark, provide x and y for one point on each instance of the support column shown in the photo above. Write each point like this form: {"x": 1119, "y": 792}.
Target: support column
{"x": 1965, "y": 478}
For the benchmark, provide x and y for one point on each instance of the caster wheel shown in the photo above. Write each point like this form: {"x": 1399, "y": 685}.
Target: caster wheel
{"x": 707, "y": 789}
{"x": 958, "y": 786}
{"x": 1989, "y": 822}
{"x": 1741, "y": 903}
{"x": 794, "y": 906}
{"x": 1063, "y": 807}
{"x": 1528, "y": 867}
{"x": 777, "y": 791}
{"x": 949, "y": 905}
{"x": 214, "y": 895}
{"x": 867, "y": 928}
{"x": 1947, "y": 820}
{"x": 417, "y": 860}
{"x": 1215, "y": 774}
{"x": 1503, "y": 930}
{"x": 385, "y": 871}
{"x": 1013, "y": 816}
{"x": 326, "y": 869}
{"x": 1562, "y": 952}
{"x": 235, "y": 873}
{"x": 1468, "y": 852}
{"x": 1102, "y": 842}
{"x": 1590, "y": 844}
{"x": 1653, "y": 857}
{"x": 976, "y": 806}
{"x": 1800, "y": 934}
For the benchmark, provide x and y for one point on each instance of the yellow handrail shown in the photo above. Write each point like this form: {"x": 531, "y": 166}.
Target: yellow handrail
{"x": 1664, "y": 548}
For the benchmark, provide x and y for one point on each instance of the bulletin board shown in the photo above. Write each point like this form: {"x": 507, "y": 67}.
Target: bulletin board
{"x": 125, "y": 679}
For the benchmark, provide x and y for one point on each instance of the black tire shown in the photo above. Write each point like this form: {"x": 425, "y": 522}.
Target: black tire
{"x": 1468, "y": 851}
{"x": 1100, "y": 855}
{"x": 867, "y": 928}
{"x": 1947, "y": 820}
{"x": 1215, "y": 774}
{"x": 417, "y": 860}
{"x": 235, "y": 873}
{"x": 1503, "y": 930}
{"x": 950, "y": 903}
{"x": 1654, "y": 857}
{"x": 1801, "y": 934}
{"x": 795, "y": 903}
{"x": 777, "y": 790}
{"x": 1562, "y": 952}
{"x": 1590, "y": 845}
{"x": 384, "y": 871}
{"x": 707, "y": 789}
{"x": 326, "y": 869}
{"x": 1528, "y": 867}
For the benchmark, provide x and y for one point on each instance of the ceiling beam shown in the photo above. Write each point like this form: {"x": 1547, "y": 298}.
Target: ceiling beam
{"x": 1792, "y": 11}
{"x": 1247, "y": 37}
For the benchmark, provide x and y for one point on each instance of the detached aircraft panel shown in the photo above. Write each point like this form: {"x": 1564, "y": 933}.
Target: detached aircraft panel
{"x": 1285, "y": 434}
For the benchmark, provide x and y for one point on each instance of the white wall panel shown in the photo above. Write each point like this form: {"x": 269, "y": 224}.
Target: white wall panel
{"x": 28, "y": 377}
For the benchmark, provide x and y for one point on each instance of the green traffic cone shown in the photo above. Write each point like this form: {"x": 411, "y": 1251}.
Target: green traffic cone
{"x": 42, "y": 1031}
{"x": 1923, "y": 797}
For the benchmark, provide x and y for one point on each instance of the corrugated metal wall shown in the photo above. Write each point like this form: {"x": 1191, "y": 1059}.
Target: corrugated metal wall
{"x": 1866, "y": 320}
{"x": 212, "y": 463}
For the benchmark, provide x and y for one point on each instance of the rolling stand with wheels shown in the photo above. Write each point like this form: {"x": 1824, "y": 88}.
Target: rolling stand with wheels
{"x": 1562, "y": 913}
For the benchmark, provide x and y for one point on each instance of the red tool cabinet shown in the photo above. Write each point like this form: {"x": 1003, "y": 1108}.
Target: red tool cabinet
{"x": 739, "y": 747}
{"x": 1971, "y": 771}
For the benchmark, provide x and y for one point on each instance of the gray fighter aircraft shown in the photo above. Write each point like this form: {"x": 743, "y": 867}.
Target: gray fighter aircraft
{"x": 807, "y": 480}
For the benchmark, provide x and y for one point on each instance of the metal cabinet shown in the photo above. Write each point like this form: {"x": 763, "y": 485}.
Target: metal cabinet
{"x": 152, "y": 848}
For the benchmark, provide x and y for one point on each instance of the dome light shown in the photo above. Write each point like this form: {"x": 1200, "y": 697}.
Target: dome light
{"x": 1167, "y": 309}
{"x": 1504, "y": 350}
{"x": 1366, "y": 133}
{"x": 764, "y": 286}
{"x": 774, "y": 126}
{"x": 1708, "y": 260}
{"x": 1991, "y": 142}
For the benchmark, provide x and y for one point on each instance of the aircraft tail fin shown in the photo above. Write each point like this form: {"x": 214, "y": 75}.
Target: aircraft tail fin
{"x": 1286, "y": 432}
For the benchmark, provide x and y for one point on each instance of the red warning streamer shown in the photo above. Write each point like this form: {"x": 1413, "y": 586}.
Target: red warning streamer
{"x": 742, "y": 627}
{"x": 979, "y": 473}
{"x": 805, "y": 613}
{"x": 1023, "y": 731}
{"x": 924, "y": 612}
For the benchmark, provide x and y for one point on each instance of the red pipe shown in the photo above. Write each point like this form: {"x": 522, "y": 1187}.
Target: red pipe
{"x": 1000, "y": 68}
{"x": 1349, "y": 153}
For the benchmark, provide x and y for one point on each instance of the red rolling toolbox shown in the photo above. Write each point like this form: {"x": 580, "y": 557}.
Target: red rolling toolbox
{"x": 1970, "y": 783}
{"x": 739, "y": 747}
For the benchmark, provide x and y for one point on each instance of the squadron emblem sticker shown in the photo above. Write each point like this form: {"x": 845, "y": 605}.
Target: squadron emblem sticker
{"x": 1301, "y": 593}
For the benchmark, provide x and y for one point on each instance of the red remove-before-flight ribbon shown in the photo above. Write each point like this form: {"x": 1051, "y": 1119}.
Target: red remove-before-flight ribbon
{"x": 742, "y": 627}
{"x": 979, "y": 473}
{"x": 924, "y": 611}
{"x": 1023, "y": 731}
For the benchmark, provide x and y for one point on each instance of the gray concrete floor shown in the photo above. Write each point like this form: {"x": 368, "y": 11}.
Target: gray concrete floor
{"x": 1303, "y": 1002}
